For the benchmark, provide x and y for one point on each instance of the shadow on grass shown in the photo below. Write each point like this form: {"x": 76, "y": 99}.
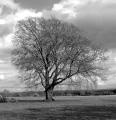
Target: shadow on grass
{"x": 62, "y": 113}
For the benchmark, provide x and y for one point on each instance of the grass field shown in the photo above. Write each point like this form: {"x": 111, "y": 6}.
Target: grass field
{"x": 64, "y": 108}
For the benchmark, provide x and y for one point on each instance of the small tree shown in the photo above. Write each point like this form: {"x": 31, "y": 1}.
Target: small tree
{"x": 6, "y": 93}
{"x": 50, "y": 51}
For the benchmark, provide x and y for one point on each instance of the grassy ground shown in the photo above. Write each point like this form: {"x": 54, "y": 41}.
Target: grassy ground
{"x": 64, "y": 108}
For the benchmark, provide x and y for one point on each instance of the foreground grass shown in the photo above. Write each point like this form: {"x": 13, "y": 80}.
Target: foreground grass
{"x": 64, "y": 108}
{"x": 62, "y": 113}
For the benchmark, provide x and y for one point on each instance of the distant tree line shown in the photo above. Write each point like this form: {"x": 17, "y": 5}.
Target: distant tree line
{"x": 61, "y": 93}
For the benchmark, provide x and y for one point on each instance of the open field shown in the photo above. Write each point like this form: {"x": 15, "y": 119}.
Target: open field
{"x": 64, "y": 108}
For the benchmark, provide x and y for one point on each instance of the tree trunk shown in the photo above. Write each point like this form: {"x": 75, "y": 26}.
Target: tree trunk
{"x": 49, "y": 94}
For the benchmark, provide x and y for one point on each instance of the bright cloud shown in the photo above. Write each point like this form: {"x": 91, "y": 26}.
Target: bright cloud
{"x": 2, "y": 61}
{"x": 115, "y": 59}
{"x": 8, "y": 41}
{"x": 1, "y": 76}
{"x": 68, "y": 7}
{"x": 22, "y": 14}
{"x": 2, "y": 21}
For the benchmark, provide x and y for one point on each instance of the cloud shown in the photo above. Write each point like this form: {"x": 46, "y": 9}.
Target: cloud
{"x": 96, "y": 17}
{"x": 3, "y": 62}
{"x": 1, "y": 77}
{"x": 22, "y": 14}
{"x": 2, "y": 21}
{"x": 5, "y": 29}
{"x": 8, "y": 22}
{"x": 9, "y": 3}
{"x": 64, "y": 6}
{"x": 10, "y": 13}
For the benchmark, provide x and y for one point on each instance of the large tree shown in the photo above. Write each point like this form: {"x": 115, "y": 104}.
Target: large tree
{"x": 51, "y": 51}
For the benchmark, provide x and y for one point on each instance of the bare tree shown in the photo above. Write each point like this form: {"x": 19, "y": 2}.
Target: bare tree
{"x": 81, "y": 82}
{"x": 50, "y": 51}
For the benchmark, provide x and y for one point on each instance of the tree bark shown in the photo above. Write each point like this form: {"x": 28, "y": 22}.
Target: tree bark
{"x": 49, "y": 94}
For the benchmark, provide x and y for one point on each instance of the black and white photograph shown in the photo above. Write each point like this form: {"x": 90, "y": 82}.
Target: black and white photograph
{"x": 57, "y": 59}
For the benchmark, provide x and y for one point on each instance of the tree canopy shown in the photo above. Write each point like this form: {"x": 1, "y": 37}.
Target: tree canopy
{"x": 51, "y": 51}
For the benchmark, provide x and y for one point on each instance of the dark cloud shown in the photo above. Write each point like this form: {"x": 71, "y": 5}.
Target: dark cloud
{"x": 37, "y": 4}
{"x": 5, "y": 11}
{"x": 101, "y": 29}
{"x": 96, "y": 17}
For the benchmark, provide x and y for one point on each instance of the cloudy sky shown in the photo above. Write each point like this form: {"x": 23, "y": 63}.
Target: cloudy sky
{"x": 96, "y": 17}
